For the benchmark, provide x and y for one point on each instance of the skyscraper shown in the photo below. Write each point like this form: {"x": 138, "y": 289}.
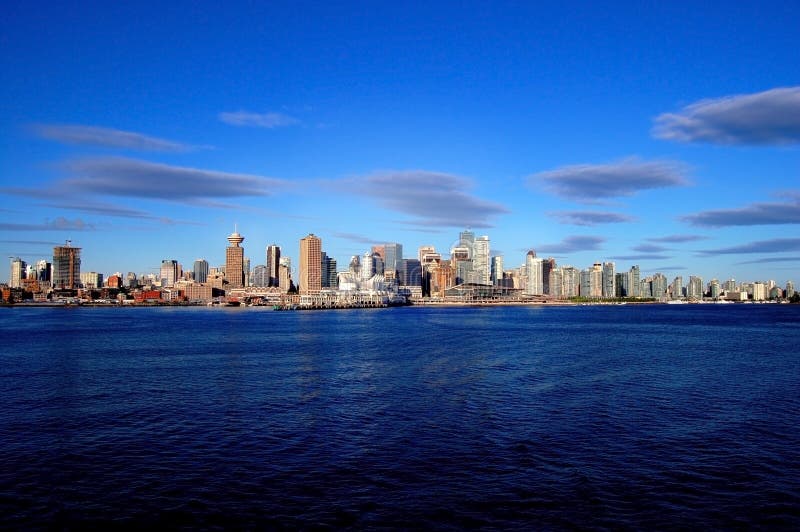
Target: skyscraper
{"x": 260, "y": 276}
{"x": 497, "y": 270}
{"x": 273, "y": 264}
{"x": 17, "y": 273}
{"x": 609, "y": 279}
{"x": 310, "y": 264}
{"x": 634, "y": 285}
{"x": 168, "y": 273}
{"x": 66, "y": 267}
{"x": 548, "y": 265}
{"x": 328, "y": 272}
{"x": 392, "y": 255}
{"x": 200, "y": 270}
{"x": 533, "y": 265}
{"x": 234, "y": 261}
{"x": 480, "y": 260}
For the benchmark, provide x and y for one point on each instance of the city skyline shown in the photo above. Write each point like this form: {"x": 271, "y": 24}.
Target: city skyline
{"x": 665, "y": 137}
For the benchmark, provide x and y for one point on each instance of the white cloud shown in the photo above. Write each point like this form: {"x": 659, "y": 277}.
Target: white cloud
{"x": 266, "y": 120}
{"x": 107, "y": 137}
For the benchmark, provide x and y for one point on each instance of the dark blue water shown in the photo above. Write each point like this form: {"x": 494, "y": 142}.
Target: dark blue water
{"x": 609, "y": 417}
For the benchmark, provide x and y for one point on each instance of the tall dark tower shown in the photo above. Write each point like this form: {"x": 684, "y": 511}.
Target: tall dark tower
{"x": 273, "y": 265}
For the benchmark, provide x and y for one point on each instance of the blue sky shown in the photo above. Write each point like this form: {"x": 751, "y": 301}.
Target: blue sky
{"x": 664, "y": 135}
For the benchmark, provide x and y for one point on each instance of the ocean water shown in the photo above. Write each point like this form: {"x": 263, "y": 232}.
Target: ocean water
{"x": 651, "y": 416}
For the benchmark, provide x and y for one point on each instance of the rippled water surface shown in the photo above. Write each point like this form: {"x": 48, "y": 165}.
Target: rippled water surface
{"x": 611, "y": 417}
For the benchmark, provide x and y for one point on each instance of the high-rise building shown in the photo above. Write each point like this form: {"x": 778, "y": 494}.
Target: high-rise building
{"x": 44, "y": 272}
{"x": 66, "y": 267}
{"x": 392, "y": 255}
{"x": 260, "y": 276}
{"x": 634, "y": 285}
{"x": 285, "y": 273}
{"x": 609, "y": 279}
{"x": 497, "y": 270}
{"x": 480, "y": 260}
{"x": 730, "y": 285}
{"x": 676, "y": 288}
{"x": 328, "y": 272}
{"x": 423, "y": 251}
{"x": 310, "y": 264}
{"x": 555, "y": 282}
{"x": 714, "y": 289}
{"x": 533, "y": 266}
{"x": 409, "y": 273}
{"x": 234, "y": 261}
{"x": 571, "y": 279}
{"x": 789, "y": 289}
{"x": 17, "y": 273}
{"x": 622, "y": 286}
{"x": 200, "y": 270}
{"x": 658, "y": 286}
{"x": 694, "y": 290}
{"x": 92, "y": 280}
{"x": 168, "y": 272}
{"x": 548, "y": 265}
{"x": 273, "y": 263}
{"x": 131, "y": 281}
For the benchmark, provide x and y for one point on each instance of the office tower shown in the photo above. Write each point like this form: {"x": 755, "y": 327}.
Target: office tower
{"x": 392, "y": 255}
{"x": 466, "y": 238}
{"x": 634, "y": 285}
{"x": 676, "y": 288}
{"x": 200, "y": 270}
{"x": 789, "y": 289}
{"x": 609, "y": 279}
{"x": 246, "y": 271}
{"x": 273, "y": 264}
{"x": 328, "y": 271}
{"x": 260, "y": 276}
{"x": 66, "y": 267}
{"x": 497, "y": 270}
{"x": 355, "y": 266}
{"x": 571, "y": 279}
{"x": 92, "y": 280}
{"x": 714, "y": 289}
{"x": 694, "y": 290}
{"x": 285, "y": 273}
{"x": 555, "y": 282}
{"x": 548, "y": 265}
{"x": 423, "y": 251}
{"x": 658, "y": 286}
{"x": 622, "y": 288}
{"x": 409, "y": 273}
{"x": 533, "y": 267}
{"x": 43, "y": 272}
{"x": 234, "y": 261}
{"x": 168, "y": 272}
{"x": 377, "y": 261}
{"x": 310, "y": 264}
{"x": 480, "y": 260}
{"x": 17, "y": 273}
{"x": 131, "y": 281}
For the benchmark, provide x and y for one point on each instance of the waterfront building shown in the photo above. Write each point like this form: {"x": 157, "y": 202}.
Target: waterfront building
{"x": 310, "y": 280}
{"x": 17, "y": 273}
{"x": 714, "y": 289}
{"x": 534, "y": 269}
{"x": 759, "y": 291}
{"x": 409, "y": 273}
{"x": 497, "y": 270}
{"x": 694, "y": 290}
{"x": 328, "y": 272}
{"x": 91, "y": 280}
{"x": 480, "y": 260}
{"x": 273, "y": 263}
{"x": 548, "y": 265}
{"x": 392, "y": 255}
{"x": 234, "y": 261}
{"x": 609, "y": 279}
{"x": 168, "y": 273}
{"x": 260, "y": 276}
{"x": 676, "y": 288}
{"x": 66, "y": 266}
{"x": 43, "y": 271}
{"x": 622, "y": 287}
{"x": 634, "y": 286}
{"x": 555, "y": 283}
{"x": 200, "y": 270}
{"x": 659, "y": 286}
{"x": 729, "y": 286}
{"x": 571, "y": 279}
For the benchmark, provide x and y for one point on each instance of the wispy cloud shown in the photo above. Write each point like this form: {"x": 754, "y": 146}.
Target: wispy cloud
{"x": 649, "y": 248}
{"x": 572, "y": 244}
{"x": 775, "y": 245}
{"x": 678, "y": 239}
{"x": 102, "y": 209}
{"x": 768, "y": 260}
{"x": 670, "y": 268}
{"x": 433, "y": 199}
{"x": 266, "y": 120}
{"x": 644, "y": 256}
{"x": 123, "y": 177}
{"x": 590, "y": 218}
{"x": 763, "y": 118}
{"x": 775, "y": 213}
{"x": 590, "y": 183}
{"x": 107, "y": 137}
{"x": 57, "y": 224}
{"x": 352, "y": 237}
